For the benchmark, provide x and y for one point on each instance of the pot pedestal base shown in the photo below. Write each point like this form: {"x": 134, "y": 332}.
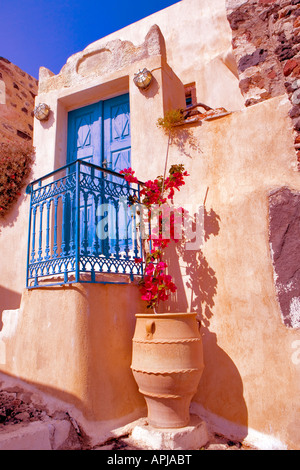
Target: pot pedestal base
{"x": 191, "y": 437}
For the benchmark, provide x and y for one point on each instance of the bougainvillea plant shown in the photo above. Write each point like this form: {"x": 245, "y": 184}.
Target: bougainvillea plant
{"x": 15, "y": 166}
{"x": 157, "y": 284}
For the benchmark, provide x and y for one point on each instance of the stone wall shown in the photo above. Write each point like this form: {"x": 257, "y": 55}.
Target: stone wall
{"x": 284, "y": 213}
{"x": 266, "y": 45}
{"x": 17, "y": 94}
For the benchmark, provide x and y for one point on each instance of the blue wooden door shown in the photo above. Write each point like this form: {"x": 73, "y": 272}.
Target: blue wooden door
{"x": 100, "y": 134}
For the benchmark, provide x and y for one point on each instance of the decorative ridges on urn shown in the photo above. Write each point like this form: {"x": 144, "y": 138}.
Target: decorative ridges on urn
{"x": 165, "y": 372}
{"x": 163, "y": 395}
{"x": 167, "y": 341}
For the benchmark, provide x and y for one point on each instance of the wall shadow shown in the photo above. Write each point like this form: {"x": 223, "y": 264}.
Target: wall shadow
{"x": 221, "y": 389}
{"x": 102, "y": 357}
{"x": 11, "y": 217}
{"x": 10, "y": 300}
{"x": 153, "y": 89}
{"x": 184, "y": 139}
{"x": 24, "y": 384}
{"x": 37, "y": 401}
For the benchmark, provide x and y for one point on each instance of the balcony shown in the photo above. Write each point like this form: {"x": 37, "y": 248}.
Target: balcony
{"x": 83, "y": 227}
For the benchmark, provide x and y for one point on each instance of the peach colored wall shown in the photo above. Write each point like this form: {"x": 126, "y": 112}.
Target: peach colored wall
{"x": 250, "y": 383}
{"x": 74, "y": 343}
{"x": 252, "y": 373}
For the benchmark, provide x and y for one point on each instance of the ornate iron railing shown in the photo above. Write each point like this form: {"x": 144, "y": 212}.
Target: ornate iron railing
{"x": 82, "y": 224}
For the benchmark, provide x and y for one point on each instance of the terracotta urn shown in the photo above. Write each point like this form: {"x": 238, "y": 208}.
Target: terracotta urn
{"x": 167, "y": 364}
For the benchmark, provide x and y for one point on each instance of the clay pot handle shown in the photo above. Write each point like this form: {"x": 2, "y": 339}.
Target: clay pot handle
{"x": 150, "y": 326}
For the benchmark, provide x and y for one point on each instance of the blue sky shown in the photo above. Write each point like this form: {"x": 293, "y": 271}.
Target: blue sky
{"x": 36, "y": 33}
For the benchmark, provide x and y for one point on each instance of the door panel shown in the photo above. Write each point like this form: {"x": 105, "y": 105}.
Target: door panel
{"x": 85, "y": 134}
{"x": 117, "y": 154}
{"x": 84, "y": 143}
{"x": 117, "y": 140}
{"x": 100, "y": 134}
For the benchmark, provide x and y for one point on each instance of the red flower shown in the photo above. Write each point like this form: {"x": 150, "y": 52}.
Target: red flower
{"x": 129, "y": 175}
{"x": 156, "y": 284}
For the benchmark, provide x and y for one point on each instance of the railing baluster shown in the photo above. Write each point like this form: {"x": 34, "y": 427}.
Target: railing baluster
{"x": 133, "y": 212}
{"x": 33, "y": 235}
{"x": 141, "y": 228}
{"x": 126, "y": 234}
{"x": 66, "y": 272}
{"x": 29, "y": 233}
{"x": 95, "y": 241}
{"x": 47, "y": 250}
{"x": 117, "y": 212}
{"x": 85, "y": 223}
{"x": 63, "y": 226}
{"x": 105, "y": 241}
{"x": 55, "y": 254}
{"x": 73, "y": 221}
{"x": 77, "y": 227}
{"x": 40, "y": 250}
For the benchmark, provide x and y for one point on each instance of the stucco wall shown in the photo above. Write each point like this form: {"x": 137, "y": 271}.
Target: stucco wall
{"x": 251, "y": 376}
{"x": 74, "y": 344}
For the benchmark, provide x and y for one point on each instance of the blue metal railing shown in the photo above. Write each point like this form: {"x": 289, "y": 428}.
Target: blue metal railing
{"x": 82, "y": 224}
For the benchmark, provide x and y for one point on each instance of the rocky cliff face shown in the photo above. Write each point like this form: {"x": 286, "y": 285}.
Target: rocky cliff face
{"x": 284, "y": 216}
{"x": 17, "y": 94}
{"x": 266, "y": 45}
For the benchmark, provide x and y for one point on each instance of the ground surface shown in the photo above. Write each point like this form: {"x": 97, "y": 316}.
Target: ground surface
{"x": 18, "y": 410}
{"x": 216, "y": 442}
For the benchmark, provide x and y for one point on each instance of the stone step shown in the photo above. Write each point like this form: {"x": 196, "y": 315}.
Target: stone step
{"x": 38, "y": 435}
